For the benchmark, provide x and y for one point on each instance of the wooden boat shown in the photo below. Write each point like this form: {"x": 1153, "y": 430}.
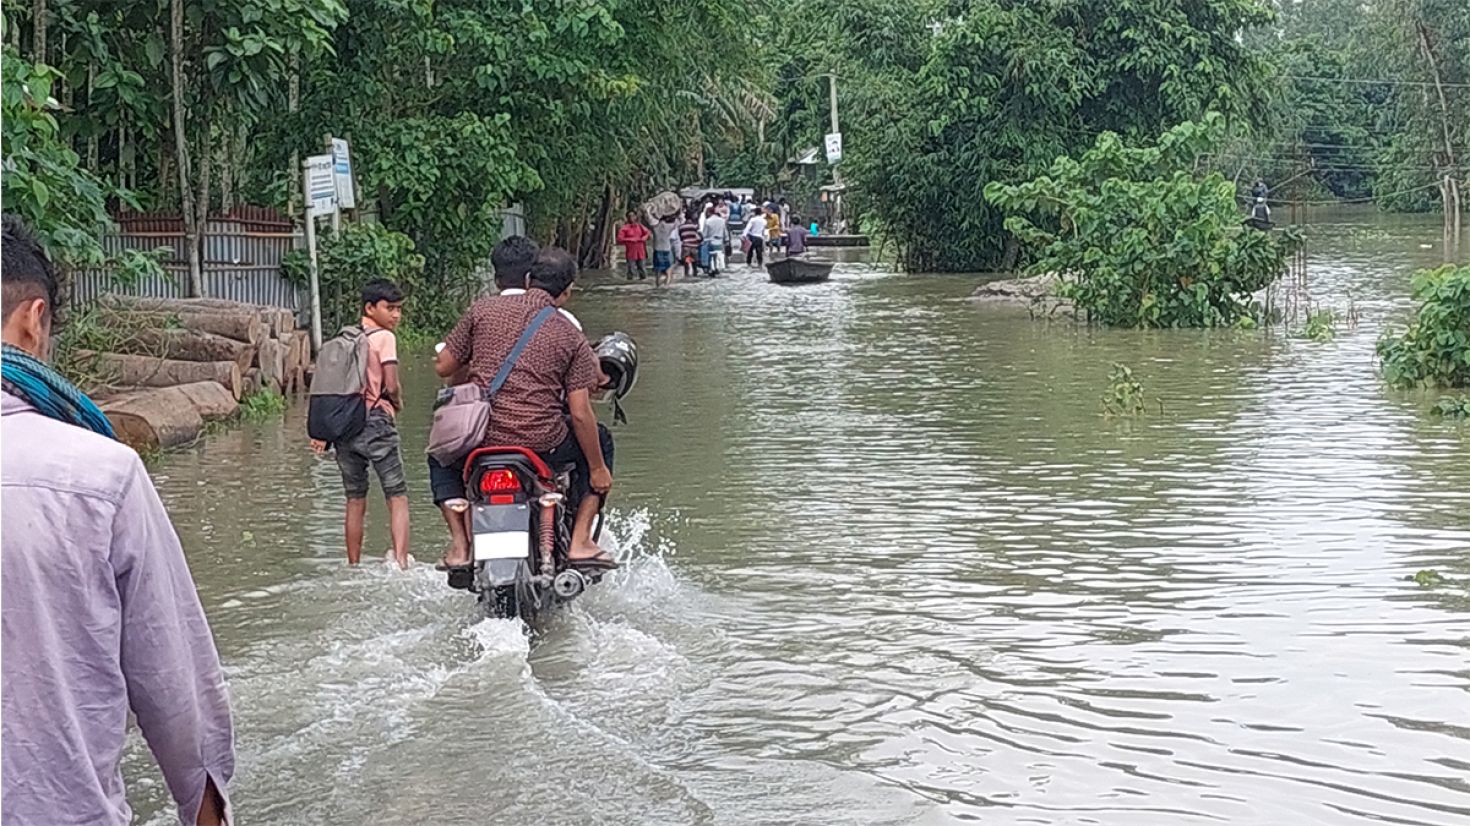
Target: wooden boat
{"x": 837, "y": 241}
{"x": 798, "y": 271}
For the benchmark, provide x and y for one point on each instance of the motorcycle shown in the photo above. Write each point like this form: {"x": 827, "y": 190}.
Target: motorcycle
{"x": 520, "y": 514}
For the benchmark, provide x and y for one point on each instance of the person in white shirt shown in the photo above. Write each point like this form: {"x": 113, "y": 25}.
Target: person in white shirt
{"x": 755, "y": 238}
{"x": 665, "y": 232}
{"x": 715, "y": 236}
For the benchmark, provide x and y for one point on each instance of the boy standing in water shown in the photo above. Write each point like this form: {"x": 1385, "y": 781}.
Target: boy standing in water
{"x": 689, "y": 241}
{"x": 663, "y": 248}
{"x": 377, "y": 445}
{"x": 634, "y": 238}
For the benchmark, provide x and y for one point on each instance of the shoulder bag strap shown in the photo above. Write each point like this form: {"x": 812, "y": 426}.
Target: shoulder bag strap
{"x": 515, "y": 352}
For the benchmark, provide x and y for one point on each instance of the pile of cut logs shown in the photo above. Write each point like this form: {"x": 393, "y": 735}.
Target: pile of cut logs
{"x": 180, "y": 362}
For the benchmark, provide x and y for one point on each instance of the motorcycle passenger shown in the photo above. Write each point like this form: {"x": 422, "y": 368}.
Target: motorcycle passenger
{"x": 511, "y": 259}
{"x": 556, "y": 371}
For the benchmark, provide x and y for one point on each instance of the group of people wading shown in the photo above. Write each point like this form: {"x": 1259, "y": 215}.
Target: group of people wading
{"x": 701, "y": 236}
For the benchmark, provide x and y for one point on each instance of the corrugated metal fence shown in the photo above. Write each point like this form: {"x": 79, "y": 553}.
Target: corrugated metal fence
{"x": 242, "y": 259}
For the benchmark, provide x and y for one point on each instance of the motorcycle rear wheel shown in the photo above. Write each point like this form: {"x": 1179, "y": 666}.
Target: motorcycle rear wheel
{"x": 506, "y": 602}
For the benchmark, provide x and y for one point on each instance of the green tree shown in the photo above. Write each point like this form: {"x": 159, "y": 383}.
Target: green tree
{"x": 1435, "y": 349}
{"x": 1140, "y": 237}
{"x": 967, "y": 93}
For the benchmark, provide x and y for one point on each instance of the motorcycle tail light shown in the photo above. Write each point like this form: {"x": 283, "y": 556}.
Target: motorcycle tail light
{"x": 501, "y": 480}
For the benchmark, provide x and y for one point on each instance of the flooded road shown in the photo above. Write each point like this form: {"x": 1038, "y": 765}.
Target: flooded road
{"x": 891, "y": 566}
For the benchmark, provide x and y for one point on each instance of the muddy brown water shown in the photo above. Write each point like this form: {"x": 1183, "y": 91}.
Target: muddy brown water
{"x": 889, "y": 565}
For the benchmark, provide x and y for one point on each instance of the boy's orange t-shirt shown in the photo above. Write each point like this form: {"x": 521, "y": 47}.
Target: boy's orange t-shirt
{"x": 382, "y": 348}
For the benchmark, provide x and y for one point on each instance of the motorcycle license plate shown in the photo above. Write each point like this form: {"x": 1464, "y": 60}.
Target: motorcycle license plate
{"x": 501, "y": 532}
{"x": 502, "y": 545}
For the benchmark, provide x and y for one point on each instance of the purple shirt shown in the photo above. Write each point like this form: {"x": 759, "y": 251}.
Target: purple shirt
{"x": 796, "y": 240}
{"x": 99, "y": 617}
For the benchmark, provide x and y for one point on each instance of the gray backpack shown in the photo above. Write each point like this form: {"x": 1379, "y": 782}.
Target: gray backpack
{"x": 337, "y": 410}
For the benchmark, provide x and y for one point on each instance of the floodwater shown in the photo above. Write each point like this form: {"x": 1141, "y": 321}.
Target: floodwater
{"x": 889, "y": 565}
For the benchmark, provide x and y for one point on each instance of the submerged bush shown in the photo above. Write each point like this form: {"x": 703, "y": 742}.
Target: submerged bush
{"x": 1142, "y": 239}
{"x": 1435, "y": 350}
{"x": 1321, "y": 326}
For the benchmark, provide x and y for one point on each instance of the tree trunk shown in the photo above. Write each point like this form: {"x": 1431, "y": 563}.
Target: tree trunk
{"x": 187, "y": 345}
{"x": 293, "y": 104}
{"x": 247, "y": 328}
{"x": 250, "y": 382}
{"x": 594, "y": 249}
{"x": 92, "y": 140}
{"x": 278, "y": 320}
{"x": 201, "y": 203}
{"x": 181, "y": 147}
{"x": 229, "y": 156}
{"x": 272, "y": 361}
{"x": 120, "y": 369}
{"x": 1012, "y": 254}
{"x": 148, "y": 420}
{"x": 1444, "y": 109}
{"x": 211, "y": 399}
{"x": 40, "y": 19}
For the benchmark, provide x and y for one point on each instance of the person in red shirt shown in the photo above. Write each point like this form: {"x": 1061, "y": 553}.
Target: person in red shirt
{"x": 634, "y": 238}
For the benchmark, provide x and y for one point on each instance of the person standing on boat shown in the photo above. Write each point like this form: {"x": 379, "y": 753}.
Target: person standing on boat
{"x": 795, "y": 236}
{"x": 755, "y": 239}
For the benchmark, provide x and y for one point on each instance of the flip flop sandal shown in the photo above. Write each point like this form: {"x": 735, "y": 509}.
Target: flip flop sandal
{"x": 601, "y": 562}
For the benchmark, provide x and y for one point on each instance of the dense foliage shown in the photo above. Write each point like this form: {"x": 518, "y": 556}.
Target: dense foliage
{"x": 942, "y": 101}
{"x": 1144, "y": 240}
{"x": 455, "y": 109}
{"x": 44, "y": 182}
{"x": 1435, "y": 350}
{"x": 361, "y": 253}
{"x": 1357, "y": 112}
{"x": 579, "y": 108}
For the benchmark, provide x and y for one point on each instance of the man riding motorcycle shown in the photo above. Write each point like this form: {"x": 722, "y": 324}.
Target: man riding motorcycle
{"x": 555, "y": 374}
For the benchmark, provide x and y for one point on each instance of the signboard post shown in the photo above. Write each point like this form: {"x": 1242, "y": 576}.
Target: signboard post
{"x": 320, "y": 185}
{"x": 342, "y": 171}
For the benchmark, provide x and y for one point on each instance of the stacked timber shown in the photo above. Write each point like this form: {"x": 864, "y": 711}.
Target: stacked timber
{"x": 174, "y": 364}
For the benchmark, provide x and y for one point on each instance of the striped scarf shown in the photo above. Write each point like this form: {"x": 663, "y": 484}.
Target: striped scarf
{"x": 28, "y": 378}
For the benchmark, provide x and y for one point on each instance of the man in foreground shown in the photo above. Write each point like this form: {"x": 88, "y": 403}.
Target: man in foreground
{"x": 557, "y": 370}
{"x": 99, "y": 612}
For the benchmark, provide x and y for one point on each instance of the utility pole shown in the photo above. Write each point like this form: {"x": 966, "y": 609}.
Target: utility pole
{"x": 837, "y": 216}
{"x": 832, "y": 86}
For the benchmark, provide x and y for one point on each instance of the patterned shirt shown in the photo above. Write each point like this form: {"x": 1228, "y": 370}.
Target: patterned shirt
{"x": 689, "y": 237}
{"x": 558, "y": 360}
